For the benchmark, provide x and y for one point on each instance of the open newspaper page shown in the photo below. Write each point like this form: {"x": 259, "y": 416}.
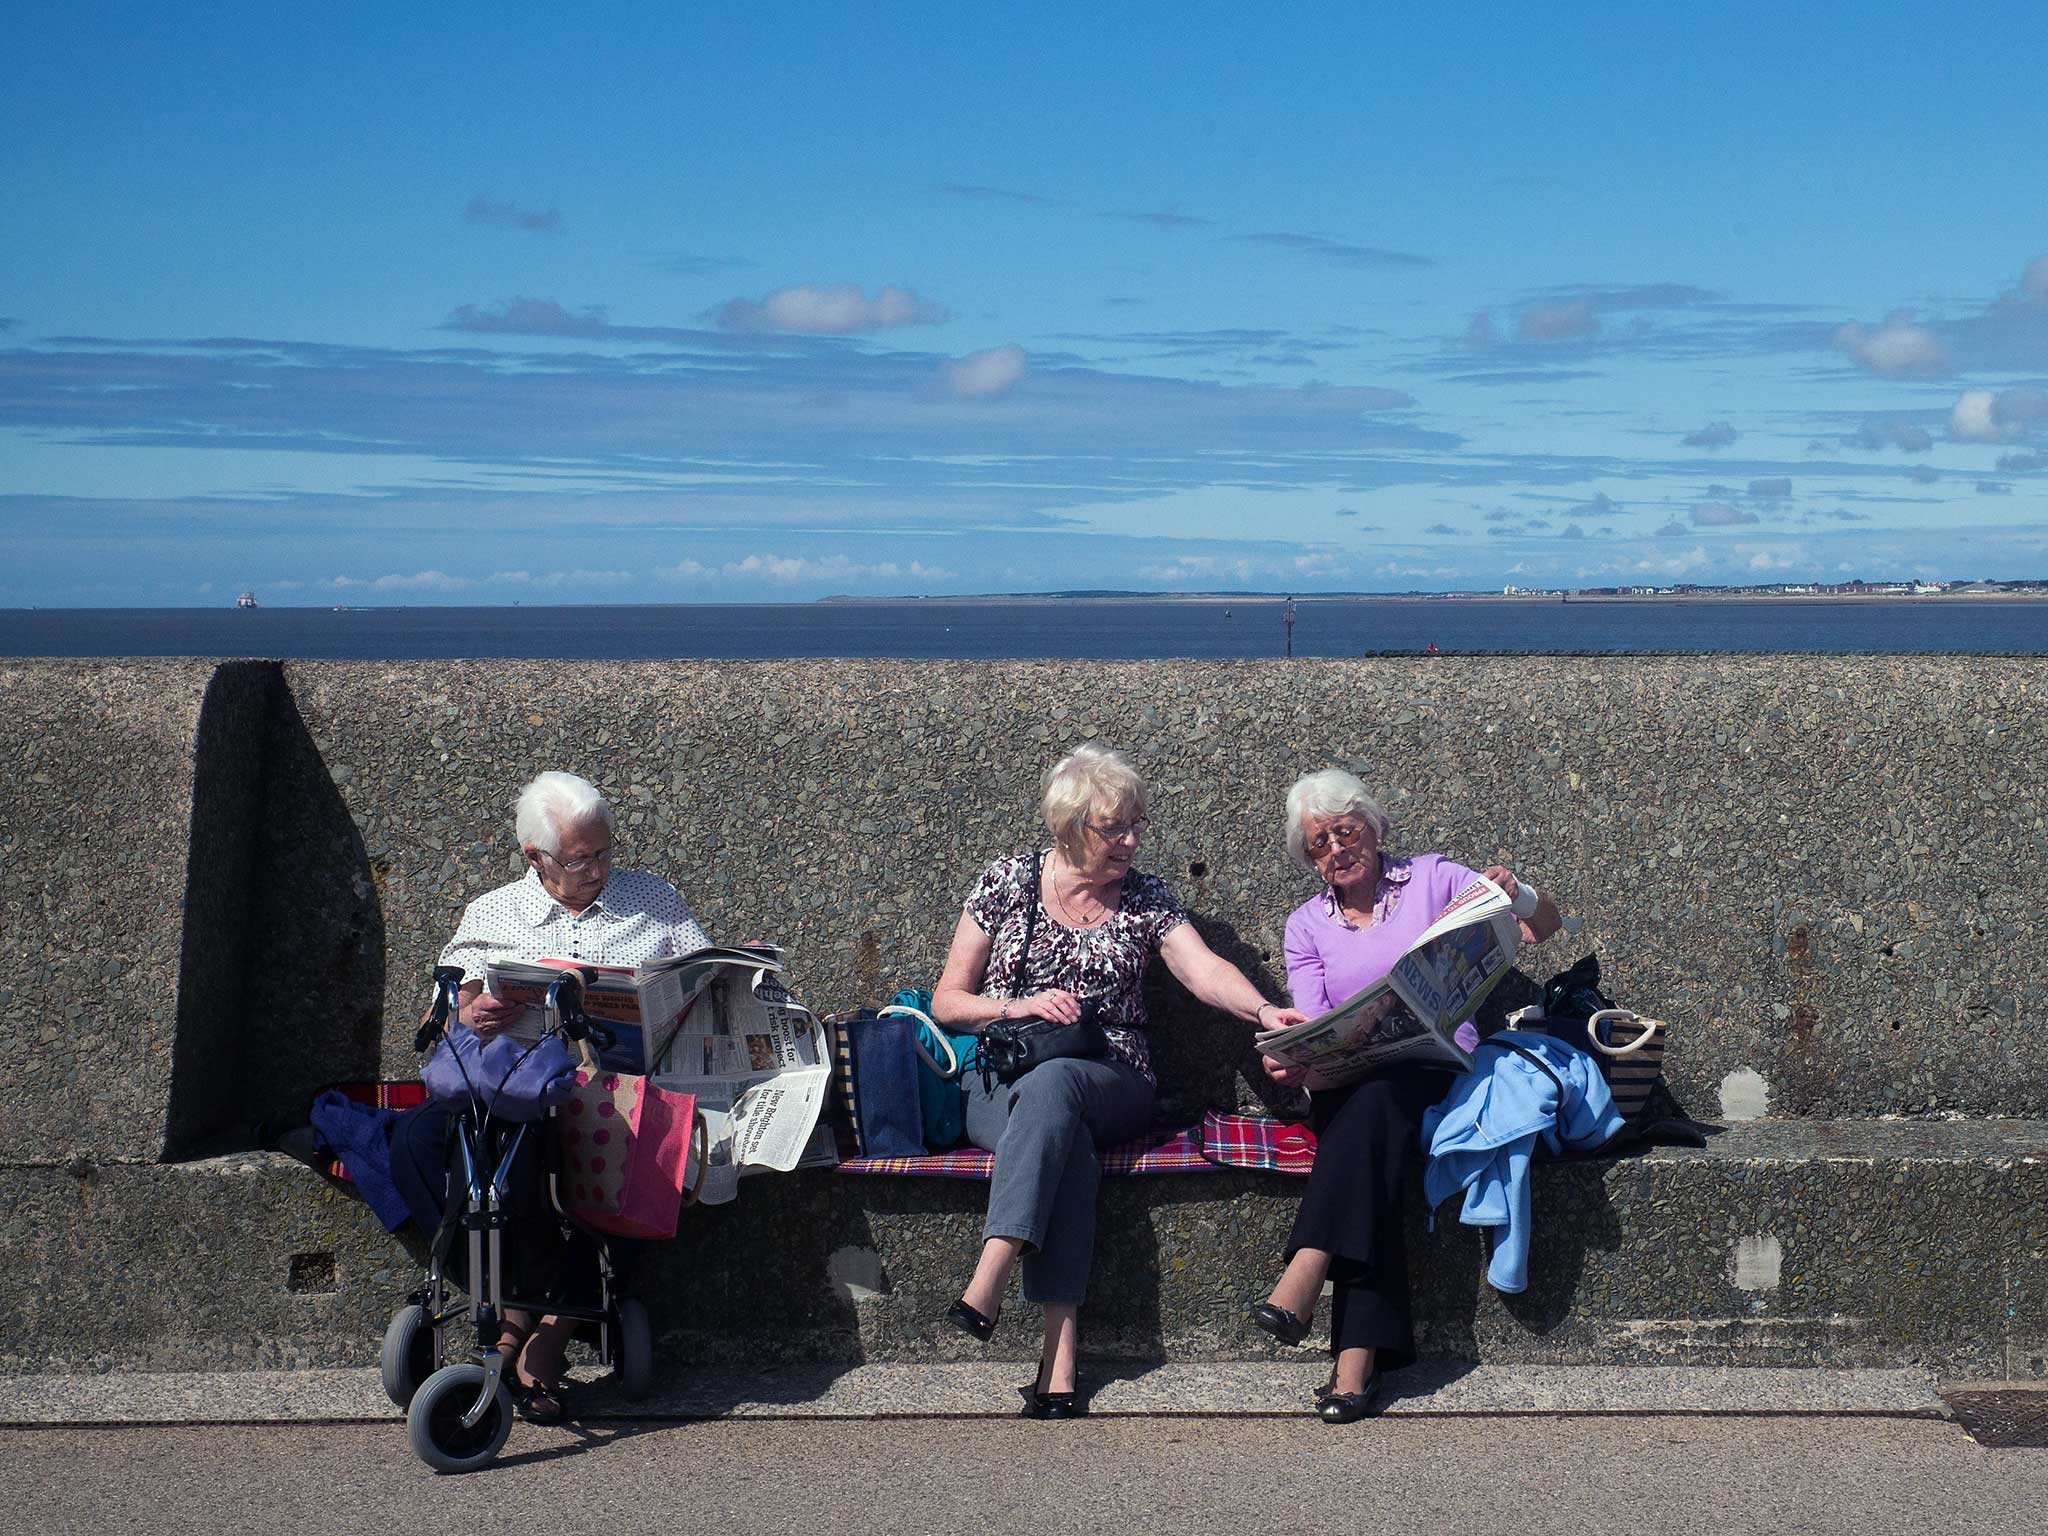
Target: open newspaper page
{"x": 644, "y": 1007}
{"x": 757, "y": 1061}
{"x": 1411, "y": 1013}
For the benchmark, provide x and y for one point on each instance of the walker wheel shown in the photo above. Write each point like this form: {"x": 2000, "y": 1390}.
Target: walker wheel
{"x": 635, "y": 1360}
{"x": 407, "y": 1358}
{"x": 434, "y": 1422}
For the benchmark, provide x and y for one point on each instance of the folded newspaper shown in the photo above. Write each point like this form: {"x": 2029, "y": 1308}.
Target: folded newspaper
{"x": 1410, "y": 1014}
{"x": 717, "y": 1023}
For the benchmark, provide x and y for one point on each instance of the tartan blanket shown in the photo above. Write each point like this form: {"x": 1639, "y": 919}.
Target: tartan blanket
{"x": 1258, "y": 1141}
{"x": 406, "y": 1095}
{"x": 1163, "y": 1151}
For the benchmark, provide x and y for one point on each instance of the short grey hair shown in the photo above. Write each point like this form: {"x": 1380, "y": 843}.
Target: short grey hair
{"x": 1092, "y": 777}
{"x": 1331, "y": 792}
{"x": 555, "y": 800}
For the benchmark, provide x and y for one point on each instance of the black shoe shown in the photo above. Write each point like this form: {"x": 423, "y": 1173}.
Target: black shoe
{"x": 962, "y": 1316}
{"x": 1348, "y": 1407}
{"x": 1051, "y": 1405}
{"x": 1281, "y": 1323}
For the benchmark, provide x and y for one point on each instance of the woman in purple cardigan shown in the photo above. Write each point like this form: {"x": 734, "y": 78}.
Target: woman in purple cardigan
{"x": 1349, "y": 1230}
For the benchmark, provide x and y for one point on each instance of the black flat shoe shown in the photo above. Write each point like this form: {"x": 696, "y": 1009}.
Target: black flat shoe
{"x": 1051, "y": 1405}
{"x": 1281, "y": 1323}
{"x": 970, "y": 1320}
{"x": 1348, "y": 1407}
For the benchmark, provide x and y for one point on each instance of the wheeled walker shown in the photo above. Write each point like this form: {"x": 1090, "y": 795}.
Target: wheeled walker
{"x": 458, "y": 1407}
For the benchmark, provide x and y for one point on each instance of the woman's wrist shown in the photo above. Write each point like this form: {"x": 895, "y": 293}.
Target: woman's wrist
{"x": 1259, "y": 1013}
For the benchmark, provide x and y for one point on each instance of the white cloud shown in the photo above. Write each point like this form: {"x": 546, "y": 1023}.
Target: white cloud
{"x": 1974, "y": 419}
{"x": 790, "y": 570}
{"x": 982, "y": 375}
{"x": 1897, "y": 349}
{"x": 434, "y": 581}
{"x": 830, "y": 309}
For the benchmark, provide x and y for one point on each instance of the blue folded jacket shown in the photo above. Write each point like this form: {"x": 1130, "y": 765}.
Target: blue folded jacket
{"x": 1481, "y": 1135}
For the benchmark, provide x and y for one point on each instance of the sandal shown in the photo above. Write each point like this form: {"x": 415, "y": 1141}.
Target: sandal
{"x": 539, "y": 1402}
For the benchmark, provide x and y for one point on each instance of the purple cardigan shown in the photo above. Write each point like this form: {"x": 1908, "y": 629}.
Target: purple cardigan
{"x": 1329, "y": 960}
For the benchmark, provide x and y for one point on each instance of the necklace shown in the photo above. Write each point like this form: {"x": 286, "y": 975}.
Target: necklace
{"x": 1063, "y": 904}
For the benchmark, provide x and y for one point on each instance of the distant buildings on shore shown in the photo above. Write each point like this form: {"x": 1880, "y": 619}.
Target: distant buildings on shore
{"x": 1791, "y": 589}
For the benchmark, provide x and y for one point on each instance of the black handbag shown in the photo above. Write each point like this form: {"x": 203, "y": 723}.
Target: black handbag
{"x": 1008, "y": 1048}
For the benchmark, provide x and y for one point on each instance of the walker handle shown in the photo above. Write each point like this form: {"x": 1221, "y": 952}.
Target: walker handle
{"x": 447, "y": 999}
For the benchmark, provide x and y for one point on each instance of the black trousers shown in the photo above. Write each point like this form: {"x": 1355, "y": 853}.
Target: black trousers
{"x": 1367, "y": 1140}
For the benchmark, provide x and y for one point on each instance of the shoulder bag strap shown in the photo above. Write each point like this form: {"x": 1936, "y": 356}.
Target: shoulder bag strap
{"x": 1030, "y": 926}
{"x": 1498, "y": 1038}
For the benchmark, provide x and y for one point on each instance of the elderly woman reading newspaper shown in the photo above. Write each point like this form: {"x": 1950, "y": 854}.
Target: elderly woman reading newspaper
{"x": 571, "y": 904}
{"x": 1349, "y": 1231}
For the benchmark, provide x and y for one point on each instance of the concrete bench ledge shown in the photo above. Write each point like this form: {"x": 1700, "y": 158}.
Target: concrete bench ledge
{"x": 1873, "y": 1243}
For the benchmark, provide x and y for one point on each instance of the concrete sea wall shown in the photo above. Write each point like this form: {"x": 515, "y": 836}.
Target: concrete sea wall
{"x": 225, "y": 885}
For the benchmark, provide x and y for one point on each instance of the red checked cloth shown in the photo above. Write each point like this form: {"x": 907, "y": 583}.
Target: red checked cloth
{"x": 1161, "y": 1152}
{"x": 406, "y": 1095}
{"x": 1258, "y": 1141}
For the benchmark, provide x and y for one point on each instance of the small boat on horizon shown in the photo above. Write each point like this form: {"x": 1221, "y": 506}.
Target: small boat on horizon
{"x": 246, "y": 600}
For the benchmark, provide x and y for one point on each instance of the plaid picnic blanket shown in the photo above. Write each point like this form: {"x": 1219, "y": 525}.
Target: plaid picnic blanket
{"x": 1258, "y": 1141}
{"x": 405, "y": 1095}
{"x": 1163, "y": 1151}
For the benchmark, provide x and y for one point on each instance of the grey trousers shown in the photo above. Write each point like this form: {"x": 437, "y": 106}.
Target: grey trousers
{"x": 1045, "y": 1130}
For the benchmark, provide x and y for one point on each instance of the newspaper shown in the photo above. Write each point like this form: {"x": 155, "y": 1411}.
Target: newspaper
{"x": 1409, "y": 1014}
{"x": 644, "y": 1007}
{"x": 760, "y": 1067}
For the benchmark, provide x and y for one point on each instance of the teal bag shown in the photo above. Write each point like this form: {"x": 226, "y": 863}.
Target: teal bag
{"x": 942, "y": 1060}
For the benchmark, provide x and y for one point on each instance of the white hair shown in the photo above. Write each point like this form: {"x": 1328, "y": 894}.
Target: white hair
{"x": 554, "y": 801}
{"x": 1092, "y": 777}
{"x": 1330, "y": 792}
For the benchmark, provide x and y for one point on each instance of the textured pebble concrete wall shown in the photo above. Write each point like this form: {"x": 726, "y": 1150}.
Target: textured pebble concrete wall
{"x": 224, "y": 887}
{"x": 1827, "y": 872}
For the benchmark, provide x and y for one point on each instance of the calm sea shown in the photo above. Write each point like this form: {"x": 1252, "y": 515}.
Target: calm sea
{"x": 1333, "y": 627}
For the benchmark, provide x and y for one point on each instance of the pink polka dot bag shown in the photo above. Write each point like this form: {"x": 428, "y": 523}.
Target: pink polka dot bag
{"x": 629, "y": 1155}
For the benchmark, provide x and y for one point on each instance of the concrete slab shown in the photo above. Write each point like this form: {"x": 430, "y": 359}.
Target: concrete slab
{"x": 988, "y": 1390}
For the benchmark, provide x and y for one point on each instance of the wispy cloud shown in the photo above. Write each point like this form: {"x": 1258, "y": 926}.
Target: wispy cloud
{"x": 1337, "y": 252}
{"x": 1777, "y": 488}
{"x": 829, "y": 309}
{"x": 482, "y": 210}
{"x": 1891, "y": 432}
{"x": 1715, "y": 434}
{"x": 1718, "y": 514}
{"x": 1569, "y": 321}
{"x": 987, "y": 374}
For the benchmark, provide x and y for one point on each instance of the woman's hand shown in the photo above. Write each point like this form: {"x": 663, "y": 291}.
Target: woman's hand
{"x": 1286, "y": 1073}
{"x": 1546, "y": 919}
{"x": 1273, "y": 1016}
{"x": 487, "y": 1014}
{"x": 1503, "y": 877}
{"x": 1060, "y": 1007}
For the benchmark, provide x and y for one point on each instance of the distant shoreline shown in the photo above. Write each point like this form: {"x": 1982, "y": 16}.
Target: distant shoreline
{"x": 1550, "y": 599}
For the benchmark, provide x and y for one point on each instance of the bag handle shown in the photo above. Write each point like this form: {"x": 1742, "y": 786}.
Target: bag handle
{"x": 700, "y": 1148}
{"x": 1621, "y": 1016}
{"x": 951, "y": 1069}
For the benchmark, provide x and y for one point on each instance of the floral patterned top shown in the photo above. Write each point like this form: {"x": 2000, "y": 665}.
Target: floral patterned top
{"x": 1107, "y": 961}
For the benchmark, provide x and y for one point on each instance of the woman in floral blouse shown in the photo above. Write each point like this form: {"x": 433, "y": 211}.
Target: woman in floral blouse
{"x": 1098, "y": 924}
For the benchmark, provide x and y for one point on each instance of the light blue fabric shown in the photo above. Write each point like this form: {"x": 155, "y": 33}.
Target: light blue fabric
{"x": 1481, "y": 1135}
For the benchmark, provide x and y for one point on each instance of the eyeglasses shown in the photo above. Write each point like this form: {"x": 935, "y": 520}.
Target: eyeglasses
{"x": 1343, "y": 835}
{"x": 601, "y": 859}
{"x": 1117, "y": 831}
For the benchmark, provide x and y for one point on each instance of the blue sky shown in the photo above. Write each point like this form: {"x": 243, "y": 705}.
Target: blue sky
{"x": 466, "y": 304}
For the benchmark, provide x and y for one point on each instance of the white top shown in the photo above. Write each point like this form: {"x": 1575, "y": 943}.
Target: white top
{"x": 637, "y": 917}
